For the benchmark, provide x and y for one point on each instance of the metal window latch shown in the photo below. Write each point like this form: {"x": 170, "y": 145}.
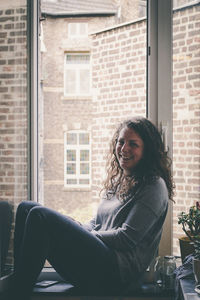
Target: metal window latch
{"x": 164, "y": 135}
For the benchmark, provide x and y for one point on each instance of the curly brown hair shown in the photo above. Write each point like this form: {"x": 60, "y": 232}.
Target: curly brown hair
{"x": 155, "y": 161}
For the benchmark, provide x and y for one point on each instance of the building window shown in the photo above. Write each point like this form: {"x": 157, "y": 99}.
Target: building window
{"x": 77, "y": 30}
{"x": 77, "y": 153}
{"x": 77, "y": 74}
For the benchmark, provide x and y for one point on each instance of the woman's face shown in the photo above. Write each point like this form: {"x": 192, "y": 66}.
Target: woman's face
{"x": 129, "y": 150}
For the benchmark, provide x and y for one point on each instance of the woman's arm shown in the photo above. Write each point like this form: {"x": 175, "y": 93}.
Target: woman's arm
{"x": 150, "y": 206}
{"x": 90, "y": 225}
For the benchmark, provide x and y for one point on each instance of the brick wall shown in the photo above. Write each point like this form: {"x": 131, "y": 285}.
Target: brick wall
{"x": 119, "y": 87}
{"x": 186, "y": 111}
{"x": 13, "y": 105}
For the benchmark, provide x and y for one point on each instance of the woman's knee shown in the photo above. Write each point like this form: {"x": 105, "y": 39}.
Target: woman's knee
{"x": 5, "y": 210}
{"x": 26, "y": 206}
{"x": 4, "y": 206}
{"x": 38, "y": 222}
{"x": 38, "y": 213}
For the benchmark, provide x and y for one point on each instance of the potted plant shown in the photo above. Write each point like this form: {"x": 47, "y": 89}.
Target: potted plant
{"x": 196, "y": 260}
{"x": 191, "y": 226}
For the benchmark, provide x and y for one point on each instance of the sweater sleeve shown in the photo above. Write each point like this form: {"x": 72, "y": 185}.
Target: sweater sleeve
{"x": 150, "y": 205}
{"x": 90, "y": 225}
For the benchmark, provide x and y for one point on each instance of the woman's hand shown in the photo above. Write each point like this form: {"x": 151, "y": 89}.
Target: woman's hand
{"x": 75, "y": 220}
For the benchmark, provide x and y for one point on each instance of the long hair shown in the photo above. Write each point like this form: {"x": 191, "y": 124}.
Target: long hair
{"x": 155, "y": 161}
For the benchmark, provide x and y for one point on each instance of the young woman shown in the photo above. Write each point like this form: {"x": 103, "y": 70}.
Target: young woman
{"x": 111, "y": 252}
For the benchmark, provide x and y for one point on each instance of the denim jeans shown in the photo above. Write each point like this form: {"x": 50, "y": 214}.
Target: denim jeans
{"x": 74, "y": 252}
{"x": 5, "y": 230}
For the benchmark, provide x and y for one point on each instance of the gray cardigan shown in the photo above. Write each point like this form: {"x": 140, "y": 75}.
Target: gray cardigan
{"x": 133, "y": 229}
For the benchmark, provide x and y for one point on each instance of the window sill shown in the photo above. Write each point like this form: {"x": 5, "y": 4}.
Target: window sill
{"x": 64, "y": 290}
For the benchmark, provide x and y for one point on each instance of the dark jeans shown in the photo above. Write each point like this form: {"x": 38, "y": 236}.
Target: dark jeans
{"x": 5, "y": 230}
{"x": 75, "y": 253}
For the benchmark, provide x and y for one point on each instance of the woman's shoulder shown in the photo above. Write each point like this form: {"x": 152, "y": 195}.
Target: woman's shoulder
{"x": 155, "y": 182}
{"x": 157, "y": 185}
{"x": 153, "y": 190}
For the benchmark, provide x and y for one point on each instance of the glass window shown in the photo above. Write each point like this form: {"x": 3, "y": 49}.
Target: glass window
{"x": 84, "y": 138}
{"x": 88, "y": 86}
{"x": 77, "y": 159}
{"x": 71, "y": 138}
{"x": 84, "y": 155}
{"x": 77, "y": 74}
{"x": 77, "y": 30}
{"x": 71, "y": 155}
{"x": 186, "y": 103}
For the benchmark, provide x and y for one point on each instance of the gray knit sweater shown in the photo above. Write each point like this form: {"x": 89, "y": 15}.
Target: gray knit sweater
{"x": 133, "y": 229}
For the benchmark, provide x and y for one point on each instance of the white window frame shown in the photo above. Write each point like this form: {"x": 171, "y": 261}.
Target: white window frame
{"x": 78, "y": 30}
{"x": 77, "y": 68}
{"x": 159, "y": 87}
{"x": 33, "y": 10}
{"x": 77, "y": 148}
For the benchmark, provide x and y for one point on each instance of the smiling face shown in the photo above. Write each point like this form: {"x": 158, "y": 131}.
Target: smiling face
{"x": 129, "y": 149}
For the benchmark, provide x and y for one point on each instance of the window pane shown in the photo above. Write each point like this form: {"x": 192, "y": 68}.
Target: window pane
{"x": 70, "y": 82}
{"x": 77, "y": 59}
{"x": 84, "y": 168}
{"x": 71, "y": 138}
{"x": 84, "y": 155}
{"x": 83, "y": 28}
{"x": 84, "y": 81}
{"x": 71, "y": 155}
{"x": 71, "y": 181}
{"x": 77, "y": 29}
{"x": 84, "y": 181}
{"x": 84, "y": 138}
{"x": 71, "y": 168}
{"x": 72, "y": 28}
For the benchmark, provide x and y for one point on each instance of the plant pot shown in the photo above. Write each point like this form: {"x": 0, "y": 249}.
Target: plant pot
{"x": 196, "y": 270}
{"x": 186, "y": 247}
